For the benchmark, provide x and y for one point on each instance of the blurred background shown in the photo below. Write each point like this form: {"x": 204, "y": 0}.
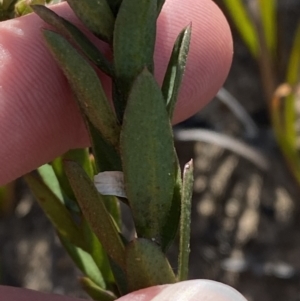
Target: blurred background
{"x": 245, "y": 145}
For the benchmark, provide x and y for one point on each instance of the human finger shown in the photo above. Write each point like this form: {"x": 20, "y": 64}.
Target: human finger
{"x": 192, "y": 290}
{"x": 39, "y": 117}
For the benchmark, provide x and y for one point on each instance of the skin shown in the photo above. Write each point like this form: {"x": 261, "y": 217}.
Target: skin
{"x": 39, "y": 117}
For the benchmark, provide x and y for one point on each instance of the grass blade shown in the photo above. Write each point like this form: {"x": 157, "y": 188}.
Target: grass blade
{"x": 268, "y": 14}
{"x": 244, "y": 25}
{"x": 287, "y": 141}
{"x": 293, "y": 66}
{"x": 292, "y": 78}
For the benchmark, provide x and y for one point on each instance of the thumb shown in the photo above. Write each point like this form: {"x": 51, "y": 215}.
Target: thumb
{"x": 192, "y": 290}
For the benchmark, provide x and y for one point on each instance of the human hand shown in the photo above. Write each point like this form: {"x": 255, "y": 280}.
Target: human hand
{"x": 39, "y": 119}
{"x": 193, "y": 290}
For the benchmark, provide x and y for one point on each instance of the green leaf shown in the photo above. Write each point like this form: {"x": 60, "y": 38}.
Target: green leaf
{"x": 146, "y": 265}
{"x": 292, "y": 78}
{"x": 84, "y": 262}
{"x": 59, "y": 215}
{"x": 293, "y": 65}
{"x": 81, "y": 156}
{"x": 120, "y": 278}
{"x": 283, "y": 117}
{"x": 119, "y": 100}
{"x": 148, "y": 159}
{"x": 96, "y": 16}
{"x": 97, "y": 252}
{"x": 93, "y": 246}
{"x": 74, "y": 35}
{"x": 171, "y": 225}
{"x": 106, "y": 156}
{"x": 48, "y": 175}
{"x": 114, "y": 5}
{"x": 96, "y": 292}
{"x": 86, "y": 86}
{"x": 185, "y": 222}
{"x": 92, "y": 205}
{"x": 175, "y": 69}
{"x": 160, "y": 4}
{"x": 268, "y": 14}
{"x": 244, "y": 24}
{"x": 134, "y": 40}
{"x": 286, "y": 133}
{"x": 50, "y": 198}
{"x": 23, "y": 7}
{"x": 107, "y": 159}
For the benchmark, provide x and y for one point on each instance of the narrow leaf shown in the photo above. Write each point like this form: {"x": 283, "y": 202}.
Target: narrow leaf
{"x": 97, "y": 252}
{"x": 96, "y": 292}
{"x": 148, "y": 156}
{"x": 82, "y": 157}
{"x": 106, "y": 159}
{"x": 120, "y": 278}
{"x": 96, "y": 15}
{"x": 84, "y": 262}
{"x": 94, "y": 210}
{"x": 106, "y": 156}
{"x": 92, "y": 244}
{"x": 171, "y": 225}
{"x": 85, "y": 238}
{"x": 52, "y": 204}
{"x": 185, "y": 222}
{"x": 146, "y": 265}
{"x": 175, "y": 69}
{"x": 50, "y": 178}
{"x": 114, "y": 5}
{"x": 73, "y": 34}
{"x": 136, "y": 19}
{"x": 86, "y": 86}
{"x": 160, "y": 4}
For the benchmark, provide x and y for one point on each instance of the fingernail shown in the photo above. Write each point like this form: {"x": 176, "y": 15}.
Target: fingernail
{"x": 191, "y": 290}
{"x": 199, "y": 290}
